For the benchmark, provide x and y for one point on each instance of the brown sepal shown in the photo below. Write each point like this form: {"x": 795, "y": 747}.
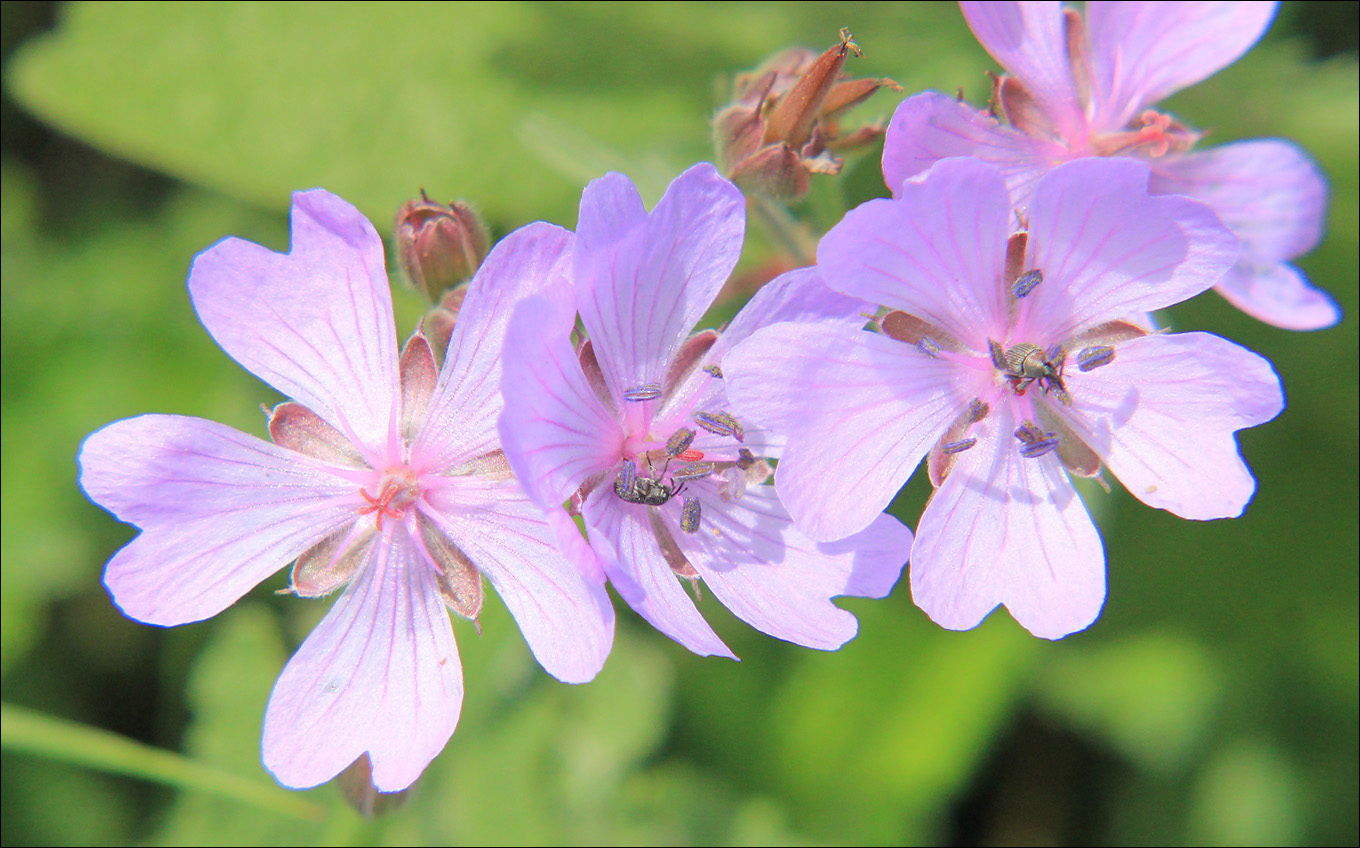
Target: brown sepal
{"x": 1022, "y": 111}
{"x": 591, "y": 366}
{"x": 1074, "y": 28}
{"x": 419, "y": 375}
{"x": 1015, "y": 257}
{"x": 460, "y": 583}
{"x": 297, "y": 428}
{"x": 774, "y": 171}
{"x": 356, "y": 784}
{"x": 691, "y": 354}
{"x": 323, "y": 568}
{"x": 792, "y": 119}
{"x": 1109, "y": 333}
{"x": 847, "y": 94}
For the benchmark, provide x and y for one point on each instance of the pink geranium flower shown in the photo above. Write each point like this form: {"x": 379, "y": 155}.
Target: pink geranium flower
{"x": 385, "y": 477}
{"x": 1085, "y": 87}
{"x": 1009, "y": 361}
{"x": 634, "y": 425}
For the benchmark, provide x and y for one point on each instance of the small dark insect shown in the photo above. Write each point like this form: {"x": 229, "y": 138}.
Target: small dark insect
{"x": 642, "y": 490}
{"x": 1024, "y": 364}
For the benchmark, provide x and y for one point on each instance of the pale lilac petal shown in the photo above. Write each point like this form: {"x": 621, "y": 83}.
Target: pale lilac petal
{"x": 1279, "y": 294}
{"x": 461, "y": 423}
{"x": 859, "y": 411}
{"x": 1003, "y": 529}
{"x": 1142, "y": 52}
{"x": 1029, "y": 40}
{"x": 1107, "y": 247}
{"x": 641, "y": 288}
{"x": 1162, "y": 416}
{"x": 930, "y": 126}
{"x": 380, "y": 675}
{"x": 315, "y": 323}
{"x": 776, "y": 579}
{"x": 799, "y": 296}
{"x": 937, "y": 251}
{"x": 556, "y": 431}
{"x": 219, "y": 512}
{"x": 1267, "y": 191}
{"x": 631, "y": 555}
{"x": 568, "y": 622}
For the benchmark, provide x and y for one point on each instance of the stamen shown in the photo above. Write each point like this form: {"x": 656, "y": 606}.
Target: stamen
{"x": 626, "y": 478}
{"x": 998, "y": 355}
{"x": 1039, "y": 448}
{"x": 978, "y": 410}
{"x": 720, "y": 424}
{"x": 1056, "y": 355}
{"x": 697, "y": 471}
{"x": 1027, "y": 282}
{"x": 714, "y": 371}
{"x": 679, "y": 441}
{"x": 1092, "y": 358}
{"x": 745, "y": 459}
{"x": 646, "y": 391}
{"x": 927, "y": 346}
{"x": 1035, "y": 441}
{"x": 958, "y": 447}
{"x": 689, "y": 517}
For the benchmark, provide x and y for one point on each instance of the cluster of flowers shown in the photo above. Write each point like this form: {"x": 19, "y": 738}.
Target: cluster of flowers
{"x": 992, "y": 317}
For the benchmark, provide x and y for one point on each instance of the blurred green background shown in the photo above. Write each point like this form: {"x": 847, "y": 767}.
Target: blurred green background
{"x": 1215, "y": 700}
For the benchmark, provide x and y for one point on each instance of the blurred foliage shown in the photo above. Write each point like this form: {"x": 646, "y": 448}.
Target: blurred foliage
{"x": 1215, "y": 701}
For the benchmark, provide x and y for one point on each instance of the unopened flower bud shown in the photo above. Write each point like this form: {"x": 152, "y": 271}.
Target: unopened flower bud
{"x": 440, "y": 246}
{"x": 781, "y": 125}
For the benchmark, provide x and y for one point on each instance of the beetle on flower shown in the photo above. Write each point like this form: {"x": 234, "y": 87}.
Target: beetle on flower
{"x": 1082, "y": 86}
{"x": 1009, "y": 359}
{"x": 633, "y": 426}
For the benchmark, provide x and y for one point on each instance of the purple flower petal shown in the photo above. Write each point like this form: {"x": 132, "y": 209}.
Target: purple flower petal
{"x": 631, "y": 555}
{"x": 937, "y": 252}
{"x": 461, "y": 424}
{"x": 1273, "y": 197}
{"x": 1142, "y": 52}
{"x": 568, "y": 622}
{"x": 1029, "y": 40}
{"x": 315, "y": 323}
{"x": 1162, "y": 416}
{"x": 1279, "y": 294}
{"x": 859, "y": 412}
{"x": 777, "y": 580}
{"x": 1268, "y": 191}
{"x": 556, "y": 431}
{"x": 930, "y": 126}
{"x": 643, "y": 284}
{"x": 1108, "y": 248}
{"x": 380, "y": 675}
{"x": 1003, "y": 529}
{"x": 219, "y": 512}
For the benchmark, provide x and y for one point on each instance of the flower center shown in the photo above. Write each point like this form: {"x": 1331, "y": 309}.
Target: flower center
{"x": 397, "y": 489}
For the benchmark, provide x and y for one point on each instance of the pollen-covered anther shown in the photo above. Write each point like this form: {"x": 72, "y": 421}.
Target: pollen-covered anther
{"x": 713, "y": 371}
{"x": 745, "y": 458}
{"x": 928, "y": 346}
{"x": 978, "y": 410}
{"x": 720, "y": 424}
{"x": 644, "y": 392}
{"x": 689, "y": 516}
{"x": 959, "y": 446}
{"x": 697, "y": 471}
{"x": 679, "y": 441}
{"x": 1034, "y": 440}
{"x": 1091, "y": 358}
{"x": 1027, "y": 282}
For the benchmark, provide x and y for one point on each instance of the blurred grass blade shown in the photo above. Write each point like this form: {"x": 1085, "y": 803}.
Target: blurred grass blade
{"x": 32, "y": 732}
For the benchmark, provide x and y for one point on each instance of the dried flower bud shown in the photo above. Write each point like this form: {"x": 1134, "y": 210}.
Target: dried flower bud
{"x": 440, "y": 246}
{"x": 780, "y": 127}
